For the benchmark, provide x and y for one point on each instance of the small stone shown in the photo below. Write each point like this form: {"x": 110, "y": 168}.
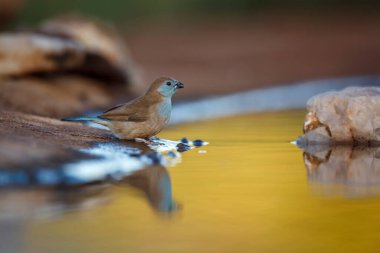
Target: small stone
{"x": 181, "y": 147}
{"x": 172, "y": 154}
{"x": 184, "y": 140}
{"x": 198, "y": 143}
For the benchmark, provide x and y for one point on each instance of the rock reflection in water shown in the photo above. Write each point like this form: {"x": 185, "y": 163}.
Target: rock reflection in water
{"x": 344, "y": 170}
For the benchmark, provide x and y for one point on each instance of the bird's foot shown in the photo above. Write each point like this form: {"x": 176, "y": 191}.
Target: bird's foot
{"x": 142, "y": 140}
{"x": 150, "y": 141}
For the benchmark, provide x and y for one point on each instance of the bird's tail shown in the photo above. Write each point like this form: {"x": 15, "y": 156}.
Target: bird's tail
{"x": 81, "y": 119}
{"x": 96, "y": 120}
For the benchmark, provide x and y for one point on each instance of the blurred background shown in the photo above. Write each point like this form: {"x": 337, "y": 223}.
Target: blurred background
{"x": 218, "y": 47}
{"x": 227, "y": 196}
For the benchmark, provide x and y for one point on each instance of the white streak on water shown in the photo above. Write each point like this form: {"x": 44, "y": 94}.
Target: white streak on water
{"x": 164, "y": 145}
{"x": 115, "y": 161}
{"x": 271, "y": 99}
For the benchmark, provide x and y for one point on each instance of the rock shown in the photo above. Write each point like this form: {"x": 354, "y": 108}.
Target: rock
{"x": 26, "y": 53}
{"x": 68, "y": 44}
{"x": 105, "y": 52}
{"x": 66, "y": 66}
{"x": 317, "y": 136}
{"x": 350, "y": 116}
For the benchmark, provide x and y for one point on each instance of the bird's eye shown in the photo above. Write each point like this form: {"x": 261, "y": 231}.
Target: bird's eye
{"x": 168, "y": 83}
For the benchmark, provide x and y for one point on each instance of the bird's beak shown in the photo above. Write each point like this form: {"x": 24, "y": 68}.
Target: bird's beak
{"x": 179, "y": 85}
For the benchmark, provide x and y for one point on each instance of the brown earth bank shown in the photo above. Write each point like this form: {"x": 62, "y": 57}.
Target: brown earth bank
{"x": 29, "y": 141}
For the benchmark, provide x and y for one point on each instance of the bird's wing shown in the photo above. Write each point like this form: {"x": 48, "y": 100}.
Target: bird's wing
{"x": 135, "y": 110}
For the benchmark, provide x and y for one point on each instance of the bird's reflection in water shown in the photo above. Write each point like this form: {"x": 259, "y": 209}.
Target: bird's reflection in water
{"x": 344, "y": 170}
{"x": 18, "y": 206}
{"x": 34, "y": 202}
{"x": 156, "y": 185}
{"x": 84, "y": 179}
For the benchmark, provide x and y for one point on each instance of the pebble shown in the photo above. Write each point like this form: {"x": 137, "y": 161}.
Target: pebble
{"x": 184, "y": 140}
{"x": 198, "y": 143}
{"x": 172, "y": 154}
{"x": 181, "y": 147}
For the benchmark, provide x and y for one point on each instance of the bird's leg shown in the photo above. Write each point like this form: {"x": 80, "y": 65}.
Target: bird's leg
{"x": 154, "y": 140}
{"x": 143, "y": 140}
{"x": 149, "y": 141}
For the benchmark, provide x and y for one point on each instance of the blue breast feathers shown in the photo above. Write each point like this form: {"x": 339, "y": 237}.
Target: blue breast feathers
{"x": 165, "y": 108}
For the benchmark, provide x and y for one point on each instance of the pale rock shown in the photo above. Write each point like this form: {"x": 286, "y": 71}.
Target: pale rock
{"x": 350, "y": 115}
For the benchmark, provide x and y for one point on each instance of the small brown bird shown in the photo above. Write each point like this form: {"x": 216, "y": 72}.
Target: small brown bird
{"x": 142, "y": 117}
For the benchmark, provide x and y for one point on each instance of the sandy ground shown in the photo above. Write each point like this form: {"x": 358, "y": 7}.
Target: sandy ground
{"x": 265, "y": 50}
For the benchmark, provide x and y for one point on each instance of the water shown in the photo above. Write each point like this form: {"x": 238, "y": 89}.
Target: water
{"x": 248, "y": 191}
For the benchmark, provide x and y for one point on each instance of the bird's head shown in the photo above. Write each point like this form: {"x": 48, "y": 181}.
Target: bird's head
{"x": 165, "y": 86}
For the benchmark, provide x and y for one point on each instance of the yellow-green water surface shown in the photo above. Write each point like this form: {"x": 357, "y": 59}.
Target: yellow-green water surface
{"x": 248, "y": 192}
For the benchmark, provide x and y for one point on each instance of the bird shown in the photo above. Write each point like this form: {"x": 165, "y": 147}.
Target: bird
{"x": 142, "y": 117}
